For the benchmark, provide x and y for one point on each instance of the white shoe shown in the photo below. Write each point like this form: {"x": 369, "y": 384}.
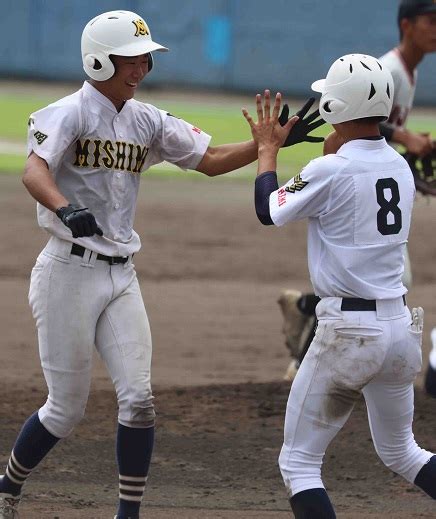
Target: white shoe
{"x": 8, "y": 506}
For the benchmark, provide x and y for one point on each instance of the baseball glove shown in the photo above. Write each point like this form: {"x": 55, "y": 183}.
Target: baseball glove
{"x": 424, "y": 172}
{"x": 301, "y": 129}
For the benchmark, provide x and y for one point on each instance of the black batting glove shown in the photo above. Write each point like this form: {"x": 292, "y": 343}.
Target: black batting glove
{"x": 79, "y": 220}
{"x": 301, "y": 129}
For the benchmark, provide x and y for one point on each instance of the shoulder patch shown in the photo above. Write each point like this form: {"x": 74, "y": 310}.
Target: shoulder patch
{"x": 297, "y": 185}
{"x": 40, "y": 137}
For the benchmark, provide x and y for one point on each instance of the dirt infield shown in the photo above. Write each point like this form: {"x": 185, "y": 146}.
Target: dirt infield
{"x": 210, "y": 276}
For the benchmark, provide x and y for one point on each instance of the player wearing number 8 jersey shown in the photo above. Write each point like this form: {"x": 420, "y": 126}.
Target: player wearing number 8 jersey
{"x": 417, "y": 26}
{"x": 359, "y": 206}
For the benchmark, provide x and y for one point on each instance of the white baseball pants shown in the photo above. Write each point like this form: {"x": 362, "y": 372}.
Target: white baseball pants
{"x": 376, "y": 353}
{"x": 78, "y": 303}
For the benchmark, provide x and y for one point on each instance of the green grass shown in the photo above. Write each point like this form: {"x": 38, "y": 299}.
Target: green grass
{"x": 11, "y": 163}
{"x": 225, "y": 124}
{"x": 15, "y": 112}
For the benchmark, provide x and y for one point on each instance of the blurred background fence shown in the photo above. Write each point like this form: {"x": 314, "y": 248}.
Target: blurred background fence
{"x": 232, "y": 45}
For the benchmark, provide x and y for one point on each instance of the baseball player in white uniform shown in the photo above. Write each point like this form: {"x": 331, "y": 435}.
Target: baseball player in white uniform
{"x": 359, "y": 204}
{"x": 86, "y": 153}
{"x": 417, "y": 26}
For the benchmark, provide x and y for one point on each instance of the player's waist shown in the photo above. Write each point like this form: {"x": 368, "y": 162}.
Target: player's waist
{"x": 332, "y": 307}
{"x": 355, "y": 304}
{"x": 64, "y": 249}
{"x": 78, "y": 250}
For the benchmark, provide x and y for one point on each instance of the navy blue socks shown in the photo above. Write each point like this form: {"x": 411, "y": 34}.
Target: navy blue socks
{"x": 134, "y": 449}
{"x": 312, "y": 504}
{"x": 426, "y": 478}
{"x": 31, "y": 446}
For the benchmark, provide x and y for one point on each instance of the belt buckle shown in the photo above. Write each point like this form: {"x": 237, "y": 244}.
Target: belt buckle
{"x": 117, "y": 260}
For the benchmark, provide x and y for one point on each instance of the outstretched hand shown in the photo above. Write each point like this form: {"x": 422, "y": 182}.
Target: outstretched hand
{"x": 300, "y": 131}
{"x": 267, "y": 132}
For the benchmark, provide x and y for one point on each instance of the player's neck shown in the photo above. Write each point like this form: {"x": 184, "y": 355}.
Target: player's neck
{"x": 107, "y": 92}
{"x": 352, "y": 130}
{"x": 410, "y": 54}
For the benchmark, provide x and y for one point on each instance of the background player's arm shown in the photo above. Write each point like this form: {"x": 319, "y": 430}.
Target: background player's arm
{"x": 417, "y": 143}
{"x": 227, "y": 157}
{"x": 41, "y": 185}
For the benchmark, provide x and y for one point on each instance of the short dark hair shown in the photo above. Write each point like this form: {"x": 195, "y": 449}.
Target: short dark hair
{"x": 410, "y": 9}
{"x": 371, "y": 120}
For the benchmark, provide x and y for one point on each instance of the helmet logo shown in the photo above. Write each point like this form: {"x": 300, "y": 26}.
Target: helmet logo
{"x": 141, "y": 28}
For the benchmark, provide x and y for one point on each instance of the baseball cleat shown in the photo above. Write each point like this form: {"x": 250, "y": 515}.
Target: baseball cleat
{"x": 8, "y": 506}
{"x": 296, "y": 328}
{"x": 292, "y": 370}
{"x": 294, "y": 320}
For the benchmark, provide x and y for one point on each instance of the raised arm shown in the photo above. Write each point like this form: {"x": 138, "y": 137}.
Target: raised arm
{"x": 269, "y": 136}
{"x": 224, "y": 158}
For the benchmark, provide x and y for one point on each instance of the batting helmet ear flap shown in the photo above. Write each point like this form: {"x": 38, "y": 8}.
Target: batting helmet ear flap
{"x": 98, "y": 66}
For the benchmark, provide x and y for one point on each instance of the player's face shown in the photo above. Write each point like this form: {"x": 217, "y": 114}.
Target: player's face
{"x": 422, "y": 31}
{"x": 129, "y": 72}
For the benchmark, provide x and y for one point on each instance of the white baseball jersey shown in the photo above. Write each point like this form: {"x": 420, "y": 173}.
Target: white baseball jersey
{"x": 404, "y": 87}
{"x": 96, "y": 156}
{"x": 359, "y": 204}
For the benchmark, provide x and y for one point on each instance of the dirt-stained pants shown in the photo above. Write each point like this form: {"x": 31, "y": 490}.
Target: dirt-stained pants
{"x": 377, "y": 353}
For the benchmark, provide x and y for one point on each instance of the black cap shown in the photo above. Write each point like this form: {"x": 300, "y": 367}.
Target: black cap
{"x": 411, "y": 8}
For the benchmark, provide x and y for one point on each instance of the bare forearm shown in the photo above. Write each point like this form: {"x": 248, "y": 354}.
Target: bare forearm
{"x": 227, "y": 157}
{"x": 40, "y": 184}
{"x": 267, "y": 159}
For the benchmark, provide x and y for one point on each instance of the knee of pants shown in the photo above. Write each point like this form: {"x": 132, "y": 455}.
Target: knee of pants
{"x": 300, "y": 470}
{"x": 60, "y": 419}
{"x": 401, "y": 462}
{"x": 137, "y": 411}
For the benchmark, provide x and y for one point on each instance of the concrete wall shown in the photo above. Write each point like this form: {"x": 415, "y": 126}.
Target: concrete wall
{"x": 242, "y": 45}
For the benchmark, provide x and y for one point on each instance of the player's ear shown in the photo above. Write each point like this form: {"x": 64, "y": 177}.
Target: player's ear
{"x": 405, "y": 25}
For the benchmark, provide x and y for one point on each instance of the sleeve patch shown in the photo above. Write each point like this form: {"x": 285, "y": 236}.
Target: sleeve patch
{"x": 281, "y": 197}
{"x": 297, "y": 185}
{"x": 40, "y": 137}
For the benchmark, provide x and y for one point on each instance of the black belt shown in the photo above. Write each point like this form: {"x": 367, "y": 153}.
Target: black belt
{"x": 78, "y": 250}
{"x": 354, "y": 304}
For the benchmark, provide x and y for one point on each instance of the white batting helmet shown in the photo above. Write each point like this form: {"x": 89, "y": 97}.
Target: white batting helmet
{"x": 356, "y": 86}
{"x": 121, "y": 33}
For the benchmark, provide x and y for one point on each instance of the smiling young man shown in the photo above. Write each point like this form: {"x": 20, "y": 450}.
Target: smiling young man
{"x": 86, "y": 153}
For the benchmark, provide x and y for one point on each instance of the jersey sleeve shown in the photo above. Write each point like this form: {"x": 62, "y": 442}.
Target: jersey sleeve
{"x": 179, "y": 142}
{"x": 304, "y": 196}
{"x": 51, "y": 131}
